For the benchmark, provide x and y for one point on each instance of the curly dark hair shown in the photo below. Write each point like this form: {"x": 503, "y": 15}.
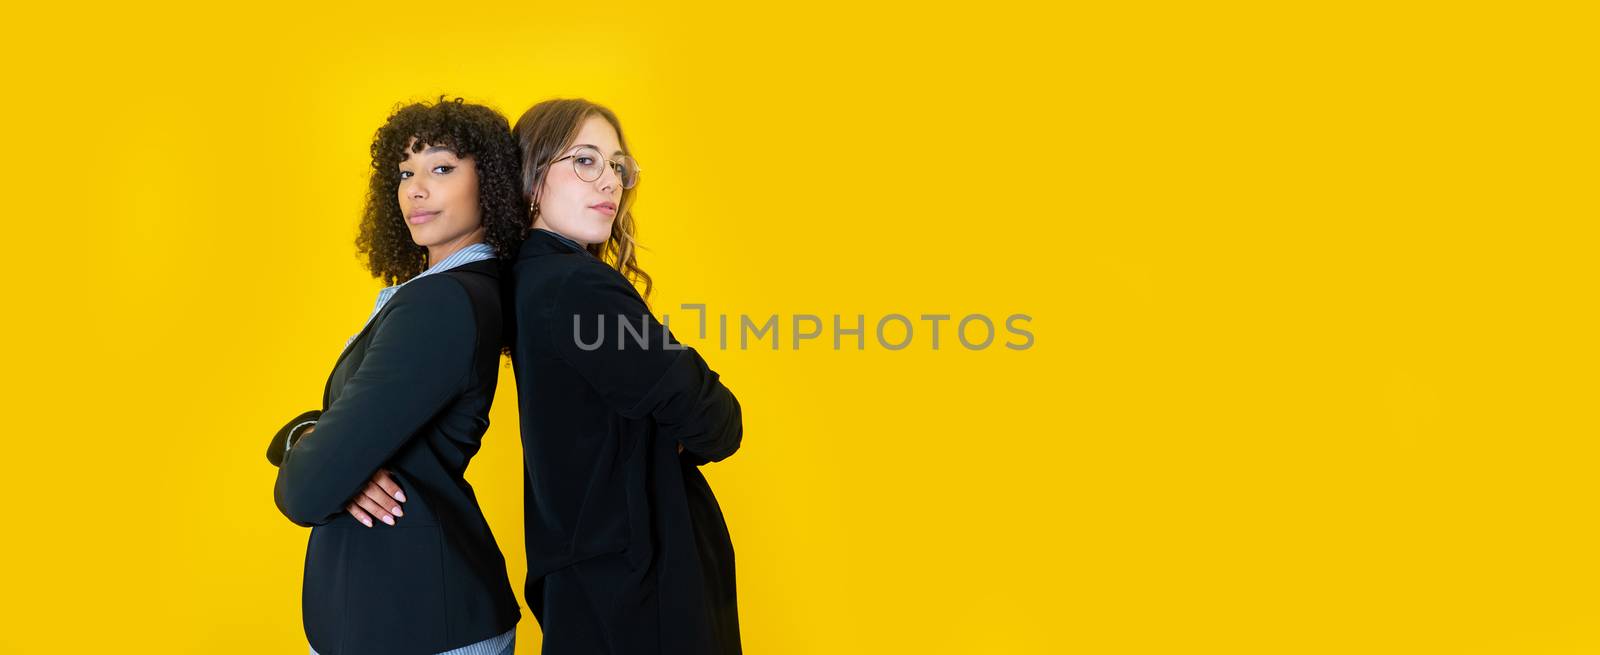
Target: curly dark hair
{"x": 468, "y": 130}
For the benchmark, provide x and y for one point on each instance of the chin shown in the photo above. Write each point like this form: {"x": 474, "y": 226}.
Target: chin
{"x": 420, "y": 238}
{"x": 594, "y": 236}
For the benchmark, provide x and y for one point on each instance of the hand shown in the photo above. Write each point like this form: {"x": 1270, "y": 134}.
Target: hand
{"x": 378, "y": 499}
{"x": 680, "y": 447}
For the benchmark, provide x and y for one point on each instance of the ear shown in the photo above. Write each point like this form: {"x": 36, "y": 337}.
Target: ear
{"x": 533, "y": 202}
{"x": 538, "y": 188}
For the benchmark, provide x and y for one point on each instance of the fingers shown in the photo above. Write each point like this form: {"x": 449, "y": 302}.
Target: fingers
{"x": 376, "y": 494}
{"x": 388, "y": 485}
{"x": 373, "y": 509}
{"x": 378, "y": 499}
{"x": 360, "y": 515}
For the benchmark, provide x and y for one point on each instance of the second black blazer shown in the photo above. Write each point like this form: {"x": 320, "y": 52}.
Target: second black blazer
{"x": 411, "y": 394}
{"x": 628, "y": 551}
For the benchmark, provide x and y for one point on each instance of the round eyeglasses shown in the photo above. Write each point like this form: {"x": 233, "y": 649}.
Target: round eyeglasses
{"x": 589, "y": 164}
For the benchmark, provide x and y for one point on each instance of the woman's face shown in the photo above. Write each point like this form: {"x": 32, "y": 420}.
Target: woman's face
{"x": 579, "y": 210}
{"x": 439, "y": 198}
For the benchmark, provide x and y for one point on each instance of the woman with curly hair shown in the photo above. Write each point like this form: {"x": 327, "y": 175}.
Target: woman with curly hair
{"x": 628, "y": 551}
{"x": 407, "y": 404}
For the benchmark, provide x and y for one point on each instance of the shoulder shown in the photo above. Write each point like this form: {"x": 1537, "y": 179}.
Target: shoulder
{"x": 438, "y": 288}
{"x": 431, "y": 316}
{"x": 483, "y": 269}
{"x": 440, "y": 299}
{"x": 552, "y": 277}
{"x": 479, "y": 280}
{"x": 543, "y": 268}
{"x": 593, "y": 286}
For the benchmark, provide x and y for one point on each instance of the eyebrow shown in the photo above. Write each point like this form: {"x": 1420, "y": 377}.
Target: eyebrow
{"x": 405, "y": 153}
{"x": 591, "y": 145}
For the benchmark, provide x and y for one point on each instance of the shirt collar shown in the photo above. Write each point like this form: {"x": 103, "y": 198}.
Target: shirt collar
{"x": 476, "y": 252}
{"x": 543, "y": 242}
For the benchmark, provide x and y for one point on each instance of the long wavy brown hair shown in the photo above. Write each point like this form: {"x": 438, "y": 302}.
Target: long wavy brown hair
{"x": 548, "y": 129}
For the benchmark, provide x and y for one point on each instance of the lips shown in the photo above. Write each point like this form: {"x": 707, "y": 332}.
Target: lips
{"x": 605, "y": 208}
{"x": 418, "y": 218}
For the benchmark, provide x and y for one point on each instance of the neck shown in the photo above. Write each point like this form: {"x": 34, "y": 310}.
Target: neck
{"x": 440, "y": 252}
{"x": 539, "y": 224}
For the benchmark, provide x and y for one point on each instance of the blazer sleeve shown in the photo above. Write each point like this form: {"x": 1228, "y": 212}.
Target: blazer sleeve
{"x": 281, "y": 441}
{"x": 672, "y": 384}
{"x": 418, "y": 360}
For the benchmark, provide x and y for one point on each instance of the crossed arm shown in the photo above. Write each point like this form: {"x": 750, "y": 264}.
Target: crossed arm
{"x": 416, "y": 362}
{"x": 379, "y": 500}
{"x": 659, "y": 378}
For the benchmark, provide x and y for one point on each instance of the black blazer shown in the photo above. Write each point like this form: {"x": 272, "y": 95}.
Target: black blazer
{"x": 411, "y": 394}
{"x": 600, "y": 429}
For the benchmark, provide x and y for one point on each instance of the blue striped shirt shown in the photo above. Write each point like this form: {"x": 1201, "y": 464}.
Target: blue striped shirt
{"x": 491, "y": 646}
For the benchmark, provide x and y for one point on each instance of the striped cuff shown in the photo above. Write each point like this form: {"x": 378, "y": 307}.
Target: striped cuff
{"x": 294, "y": 435}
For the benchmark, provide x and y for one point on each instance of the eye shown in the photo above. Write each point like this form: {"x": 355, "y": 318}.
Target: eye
{"x": 405, "y": 174}
{"x": 585, "y": 160}
{"x": 443, "y": 169}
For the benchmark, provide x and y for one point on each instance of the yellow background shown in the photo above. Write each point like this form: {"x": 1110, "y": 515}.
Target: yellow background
{"x": 1312, "y": 287}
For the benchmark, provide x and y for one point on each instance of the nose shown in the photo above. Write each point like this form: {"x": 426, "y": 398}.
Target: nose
{"x": 610, "y": 180}
{"x": 414, "y": 189}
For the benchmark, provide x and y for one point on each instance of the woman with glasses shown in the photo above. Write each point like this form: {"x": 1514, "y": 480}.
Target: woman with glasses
{"x": 408, "y": 402}
{"x": 627, "y": 549}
